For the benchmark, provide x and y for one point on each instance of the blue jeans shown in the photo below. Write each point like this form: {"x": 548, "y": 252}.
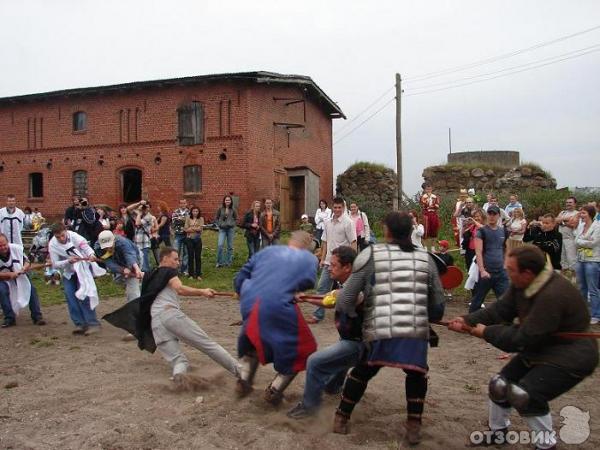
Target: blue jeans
{"x": 145, "y": 258}
{"x": 498, "y": 281}
{"x": 324, "y": 286}
{"x": 9, "y": 314}
{"x": 588, "y": 274}
{"x": 326, "y": 370}
{"x": 81, "y": 313}
{"x": 225, "y": 258}
{"x": 181, "y": 251}
{"x": 253, "y": 243}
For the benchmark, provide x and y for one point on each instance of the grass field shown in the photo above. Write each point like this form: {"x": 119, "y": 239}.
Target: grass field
{"x": 220, "y": 279}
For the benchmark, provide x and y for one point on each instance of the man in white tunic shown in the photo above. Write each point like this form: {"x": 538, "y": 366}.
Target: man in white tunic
{"x": 16, "y": 291}
{"x": 11, "y": 220}
{"x": 72, "y": 254}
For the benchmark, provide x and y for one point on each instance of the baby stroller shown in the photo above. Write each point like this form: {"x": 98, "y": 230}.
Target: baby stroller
{"x": 38, "y": 253}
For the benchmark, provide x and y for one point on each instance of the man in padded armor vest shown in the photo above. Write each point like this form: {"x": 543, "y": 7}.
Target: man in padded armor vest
{"x": 545, "y": 365}
{"x": 402, "y": 293}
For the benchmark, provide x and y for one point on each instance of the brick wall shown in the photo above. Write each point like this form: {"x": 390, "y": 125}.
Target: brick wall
{"x": 138, "y": 129}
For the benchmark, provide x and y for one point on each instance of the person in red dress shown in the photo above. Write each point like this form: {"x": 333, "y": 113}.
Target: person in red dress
{"x": 430, "y": 204}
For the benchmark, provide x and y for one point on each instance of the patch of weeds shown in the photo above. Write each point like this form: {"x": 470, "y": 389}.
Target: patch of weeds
{"x": 470, "y": 387}
{"x": 40, "y": 343}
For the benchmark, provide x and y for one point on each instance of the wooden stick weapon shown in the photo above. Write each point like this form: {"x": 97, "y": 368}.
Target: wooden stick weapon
{"x": 563, "y": 334}
{"x": 303, "y": 296}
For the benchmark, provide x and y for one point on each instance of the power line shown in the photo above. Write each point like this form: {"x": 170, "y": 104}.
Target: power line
{"x": 503, "y": 75}
{"x": 492, "y": 59}
{"x": 365, "y": 121}
{"x": 550, "y": 58}
{"x": 347, "y": 124}
{"x": 475, "y": 78}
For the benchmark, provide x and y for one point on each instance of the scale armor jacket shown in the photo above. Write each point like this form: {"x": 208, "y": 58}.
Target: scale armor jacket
{"x": 402, "y": 292}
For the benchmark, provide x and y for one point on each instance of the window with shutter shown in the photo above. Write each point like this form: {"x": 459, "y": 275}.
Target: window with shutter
{"x": 191, "y": 124}
{"x": 192, "y": 179}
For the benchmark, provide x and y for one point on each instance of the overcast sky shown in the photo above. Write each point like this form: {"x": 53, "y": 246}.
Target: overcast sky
{"x": 352, "y": 50}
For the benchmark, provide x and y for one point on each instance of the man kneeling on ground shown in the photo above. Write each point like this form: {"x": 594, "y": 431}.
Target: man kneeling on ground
{"x": 327, "y": 368}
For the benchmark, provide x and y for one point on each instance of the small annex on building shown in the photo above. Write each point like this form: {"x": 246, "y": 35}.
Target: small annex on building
{"x": 252, "y": 135}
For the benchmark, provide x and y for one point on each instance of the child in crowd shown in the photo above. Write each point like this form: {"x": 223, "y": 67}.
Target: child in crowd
{"x": 305, "y": 224}
{"x": 443, "y": 254}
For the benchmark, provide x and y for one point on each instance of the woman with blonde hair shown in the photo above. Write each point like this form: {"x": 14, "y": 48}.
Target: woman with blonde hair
{"x": 516, "y": 227}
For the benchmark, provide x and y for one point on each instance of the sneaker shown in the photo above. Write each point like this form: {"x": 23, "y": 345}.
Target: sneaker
{"x": 79, "y": 330}
{"x": 92, "y": 330}
{"x": 594, "y": 321}
{"x": 299, "y": 412}
{"x": 312, "y": 320}
{"x": 8, "y": 323}
{"x": 40, "y": 322}
{"x": 128, "y": 337}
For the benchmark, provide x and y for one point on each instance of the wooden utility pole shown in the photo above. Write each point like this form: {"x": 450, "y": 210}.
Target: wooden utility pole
{"x": 399, "y": 136}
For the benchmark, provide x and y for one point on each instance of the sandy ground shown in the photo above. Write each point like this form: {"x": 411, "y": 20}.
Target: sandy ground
{"x": 100, "y": 392}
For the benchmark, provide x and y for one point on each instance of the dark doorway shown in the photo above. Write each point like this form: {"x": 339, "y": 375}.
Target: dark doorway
{"x": 297, "y": 197}
{"x": 131, "y": 183}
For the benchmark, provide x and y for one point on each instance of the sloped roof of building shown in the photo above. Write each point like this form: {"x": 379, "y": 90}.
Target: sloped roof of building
{"x": 307, "y": 83}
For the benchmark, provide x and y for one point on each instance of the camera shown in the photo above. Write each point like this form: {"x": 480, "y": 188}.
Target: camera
{"x": 83, "y": 202}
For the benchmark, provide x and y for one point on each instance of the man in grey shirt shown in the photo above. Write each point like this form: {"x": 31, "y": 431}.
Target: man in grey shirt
{"x": 489, "y": 252}
{"x": 170, "y": 324}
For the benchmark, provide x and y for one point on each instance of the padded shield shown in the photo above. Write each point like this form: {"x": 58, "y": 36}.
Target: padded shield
{"x": 452, "y": 278}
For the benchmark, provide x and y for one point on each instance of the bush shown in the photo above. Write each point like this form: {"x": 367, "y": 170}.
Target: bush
{"x": 367, "y": 165}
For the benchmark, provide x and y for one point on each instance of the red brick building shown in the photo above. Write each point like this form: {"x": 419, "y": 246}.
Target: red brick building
{"x": 254, "y": 135}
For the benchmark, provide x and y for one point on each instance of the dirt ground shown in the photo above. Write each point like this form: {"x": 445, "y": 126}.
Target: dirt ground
{"x": 92, "y": 392}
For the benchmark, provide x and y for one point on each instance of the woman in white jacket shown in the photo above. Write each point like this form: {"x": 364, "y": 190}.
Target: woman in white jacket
{"x": 587, "y": 241}
{"x": 418, "y": 230}
{"x": 322, "y": 214}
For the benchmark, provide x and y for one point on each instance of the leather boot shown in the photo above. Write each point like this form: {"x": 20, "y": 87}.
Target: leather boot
{"x": 413, "y": 431}
{"x": 273, "y": 396}
{"x": 341, "y": 423}
{"x": 243, "y": 388}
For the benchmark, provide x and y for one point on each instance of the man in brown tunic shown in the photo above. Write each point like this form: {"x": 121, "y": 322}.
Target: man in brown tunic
{"x": 545, "y": 365}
